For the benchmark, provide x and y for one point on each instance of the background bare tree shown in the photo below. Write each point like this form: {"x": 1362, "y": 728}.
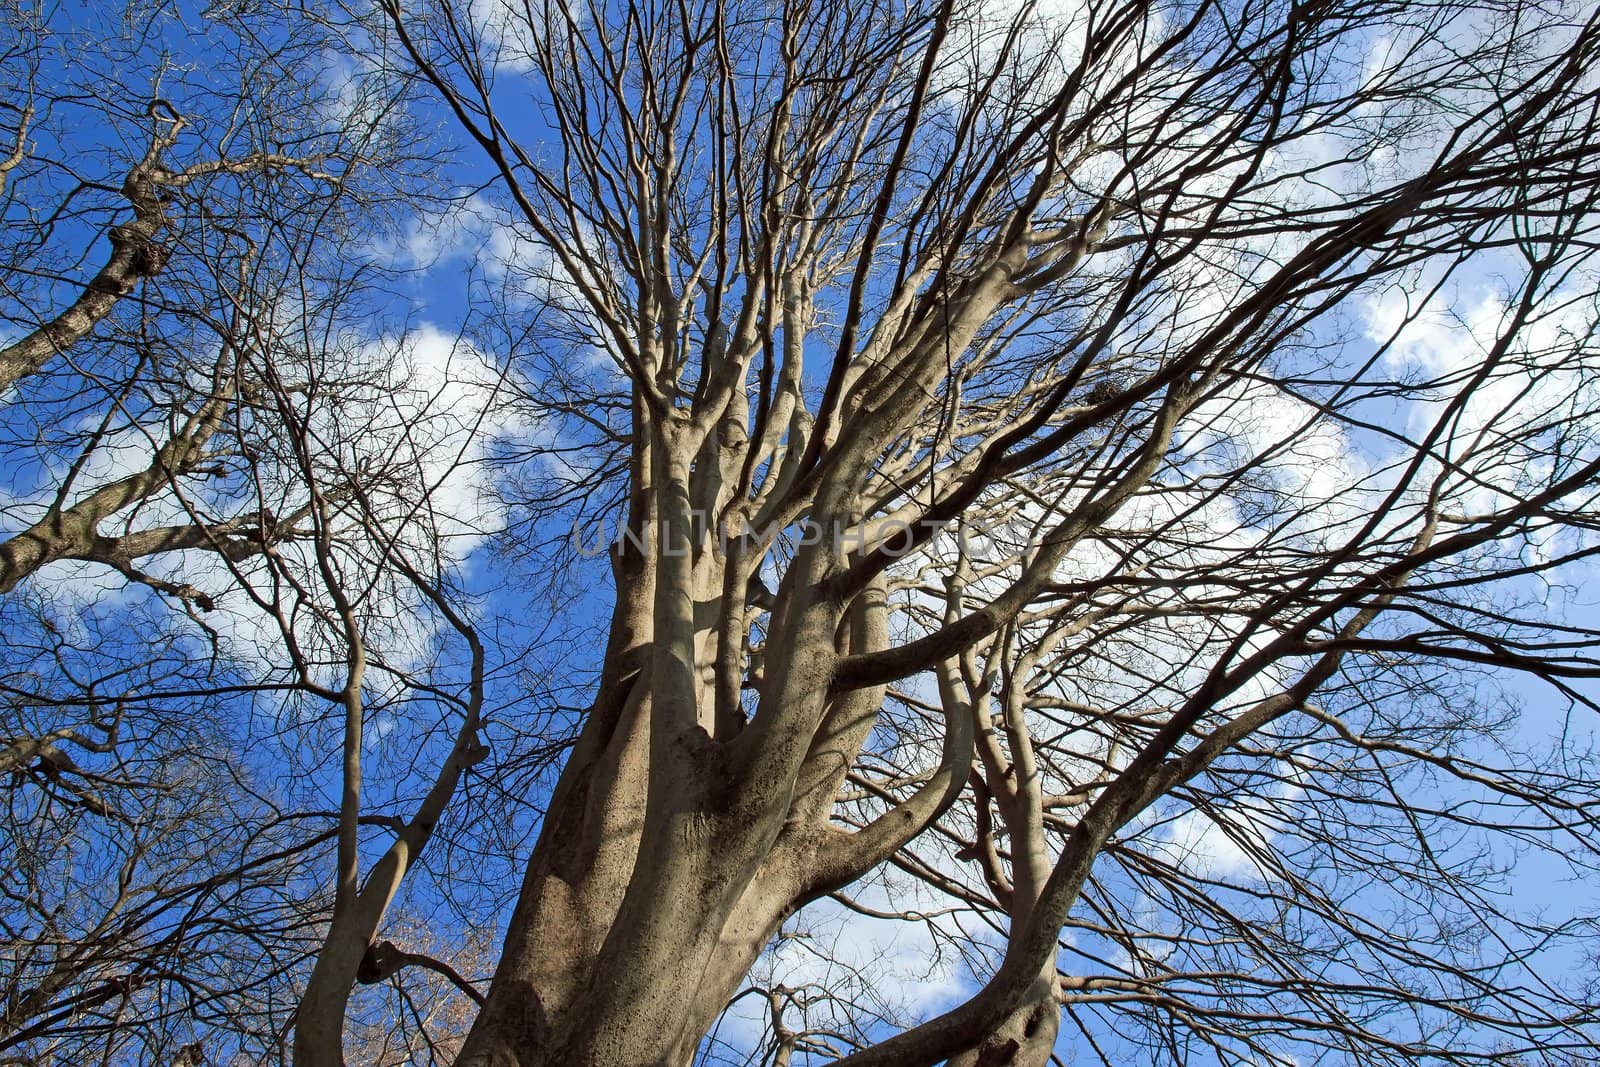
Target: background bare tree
{"x": 1085, "y": 486}
{"x": 205, "y": 456}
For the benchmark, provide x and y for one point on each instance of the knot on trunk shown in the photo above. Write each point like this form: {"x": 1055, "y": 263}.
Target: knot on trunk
{"x": 135, "y": 243}
{"x": 380, "y": 961}
{"x": 1000, "y": 1053}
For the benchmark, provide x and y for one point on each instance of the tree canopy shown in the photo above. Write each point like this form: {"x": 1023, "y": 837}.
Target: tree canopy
{"x": 830, "y": 531}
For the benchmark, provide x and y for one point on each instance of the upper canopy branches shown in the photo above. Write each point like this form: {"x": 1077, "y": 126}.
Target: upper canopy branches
{"x": 860, "y": 252}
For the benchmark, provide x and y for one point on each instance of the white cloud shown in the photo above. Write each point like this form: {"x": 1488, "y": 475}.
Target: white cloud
{"x": 417, "y": 415}
{"x": 1498, "y": 439}
{"x": 847, "y": 967}
{"x": 1223, "y": 845}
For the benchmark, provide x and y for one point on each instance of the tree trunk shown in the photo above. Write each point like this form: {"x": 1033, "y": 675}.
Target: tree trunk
{"x": 1027, "y": 1036}
{"x": 665, "y": 865}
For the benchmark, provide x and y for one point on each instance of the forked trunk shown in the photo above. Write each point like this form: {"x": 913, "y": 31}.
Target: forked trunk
{"x": 666, "y": 865}
{"x": 1028, "y": 1035}
{"x": 640, "y": 992}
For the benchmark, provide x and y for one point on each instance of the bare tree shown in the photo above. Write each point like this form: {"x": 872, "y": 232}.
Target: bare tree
{"x": 1086, "y": 484}
{"x": 1080, "y": 289}
{"x": 180, "y": 278}
{"x": 153, "y": 889}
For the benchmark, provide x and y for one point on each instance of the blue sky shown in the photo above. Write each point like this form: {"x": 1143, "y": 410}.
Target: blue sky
{"x": 426, "y": 328}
